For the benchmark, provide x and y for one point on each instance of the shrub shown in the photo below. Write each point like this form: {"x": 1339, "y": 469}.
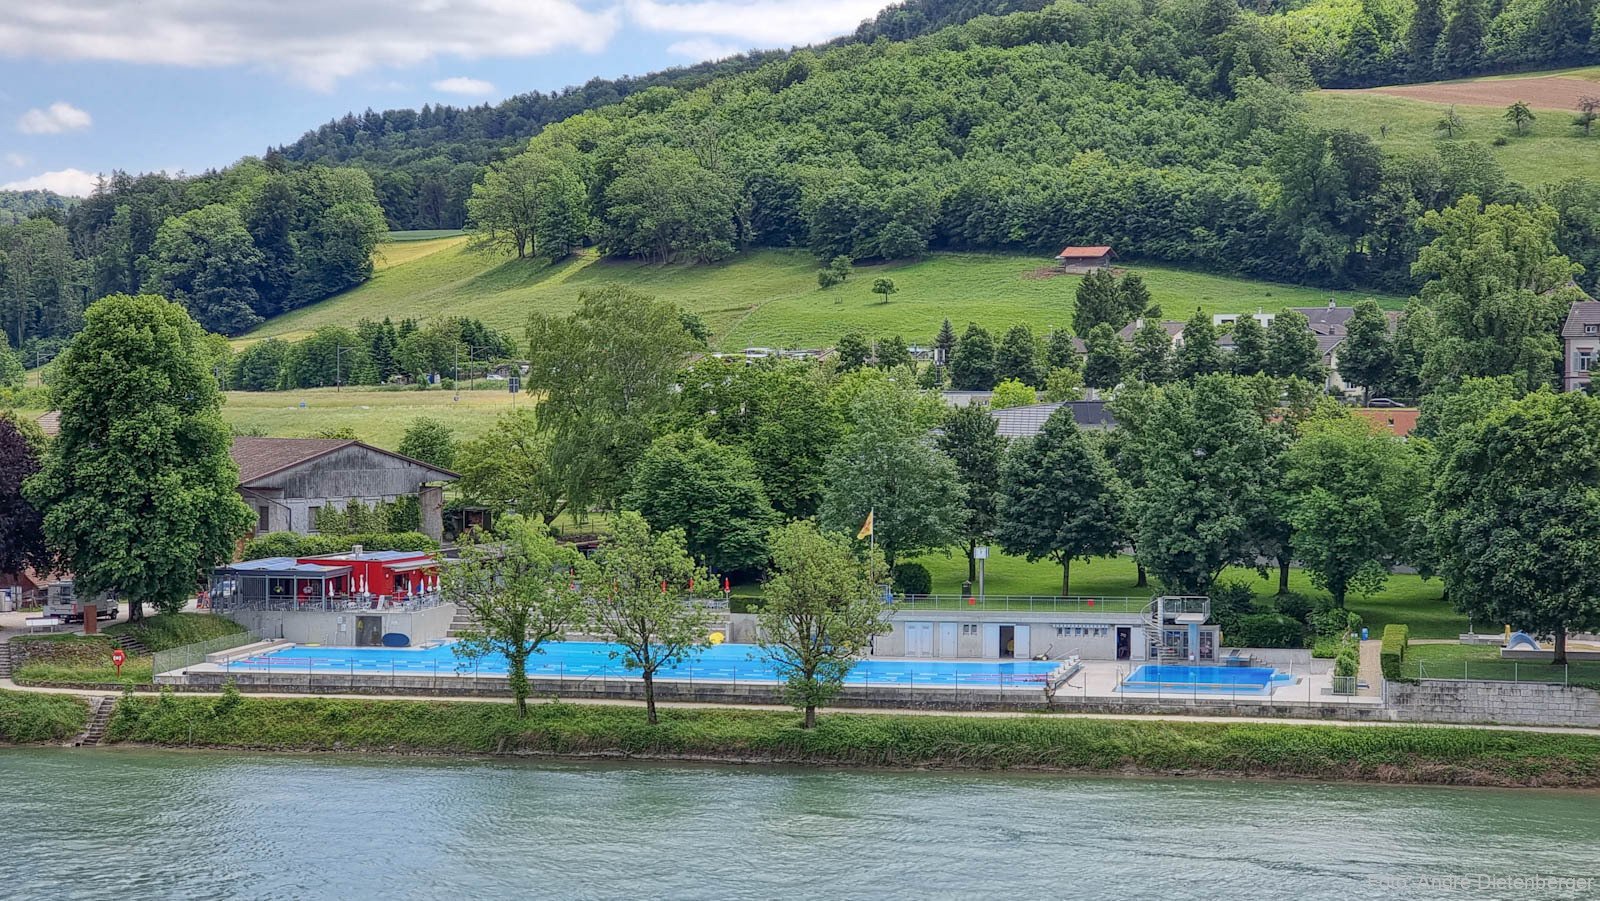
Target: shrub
{"x": 746, "y": 605}
{"x": 1229, "y": 601}
{"x": 1392, "y": 652}
{"x": 1348, "y": 663}
{"x": 912, "y": 578}
{"x": 1266, "y": 630}
{"x": 1294, "y": 605}
{"x": 289, "y": 544}
{"x": 827, "y": 278}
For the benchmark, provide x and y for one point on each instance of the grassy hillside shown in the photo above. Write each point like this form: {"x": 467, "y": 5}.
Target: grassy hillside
{"x": 377, "y": 417}
{"x": 1553, "y": 150}
{"x": 768, "y": 297}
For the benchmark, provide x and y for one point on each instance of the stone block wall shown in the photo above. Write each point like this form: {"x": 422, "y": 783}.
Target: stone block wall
{"x": 1507, "y": 703}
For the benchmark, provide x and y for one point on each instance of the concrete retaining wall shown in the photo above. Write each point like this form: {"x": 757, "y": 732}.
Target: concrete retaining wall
{"x": 1508, "y": 703}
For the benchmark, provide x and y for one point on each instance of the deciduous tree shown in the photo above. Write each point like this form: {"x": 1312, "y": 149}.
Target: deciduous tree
{"x": 709, "y": 492}
{"x": 431, "y": 441}
{"x": 969, "y": 437}
{"x": 21, "y": 526}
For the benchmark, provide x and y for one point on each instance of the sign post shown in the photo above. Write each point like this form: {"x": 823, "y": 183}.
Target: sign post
{"x": 118, "y": 658}
{"x": 980, "y": 554}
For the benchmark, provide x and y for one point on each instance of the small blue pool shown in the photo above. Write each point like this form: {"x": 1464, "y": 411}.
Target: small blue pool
{"x": 1220, "y": 680}
{"x": 588, "y": 659}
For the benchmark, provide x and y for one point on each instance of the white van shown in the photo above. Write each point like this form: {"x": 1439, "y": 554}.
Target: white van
{"x": 61, "y": 602}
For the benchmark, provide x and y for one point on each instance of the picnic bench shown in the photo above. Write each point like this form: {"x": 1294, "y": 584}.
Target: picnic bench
{"x": 47, "y": 623}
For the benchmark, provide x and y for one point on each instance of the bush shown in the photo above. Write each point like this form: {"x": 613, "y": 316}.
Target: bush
{"x": 26, "y": 717}
{"x": 827, "y": 278}
{"x": 1392, "y": 652}
{"x": 1266, "y": 630}
{"x": 1229, "y": 601}
{"x": 1348, "y": 663}
{"x": 738, "y": 604}
{"x": 289, "y": 544}
{"x": 1294, "y": 605}
{"x": 912, "y": 578}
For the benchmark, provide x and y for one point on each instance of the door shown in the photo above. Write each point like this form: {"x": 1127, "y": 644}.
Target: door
{"x": 1021, "y": 650}
{"x": 919, "y": 639}
{"x": 949, "y": 638}
{"x": 1008, "y": 641}
{"x": 1124, "y": 643}
{"x": 369, "y": 631}
{"x": 991, "y": 640}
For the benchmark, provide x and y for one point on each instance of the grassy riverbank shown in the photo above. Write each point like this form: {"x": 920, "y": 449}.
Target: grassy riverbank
{"x": 1381, "y": 754}
{"x": 27, "y": 718}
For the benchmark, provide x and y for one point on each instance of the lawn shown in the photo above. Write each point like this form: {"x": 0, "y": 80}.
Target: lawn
{"x": 1460, "y": 661}
{"x": 377, "y": 417}
{"x": 70, "y": 658}
{"x": 1552, "y": 151}
{"x": 768, "y": 297}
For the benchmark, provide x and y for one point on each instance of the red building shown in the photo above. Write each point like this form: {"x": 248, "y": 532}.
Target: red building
{"x": 354, "y": 580}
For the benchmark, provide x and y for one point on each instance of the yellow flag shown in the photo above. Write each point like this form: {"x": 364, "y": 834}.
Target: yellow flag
{"x": 866, "y": 527}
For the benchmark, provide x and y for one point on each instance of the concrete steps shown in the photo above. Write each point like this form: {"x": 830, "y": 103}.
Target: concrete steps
{"x": 5, "y": 659}
{"x": 100, "y": 709}
{"x": 464, "y": 622}
{"x": 132, "y": 645}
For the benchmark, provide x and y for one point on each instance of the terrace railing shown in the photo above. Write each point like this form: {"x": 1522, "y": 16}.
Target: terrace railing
{"x": 1022, "y": 603}
{"x": 222, "y": 603}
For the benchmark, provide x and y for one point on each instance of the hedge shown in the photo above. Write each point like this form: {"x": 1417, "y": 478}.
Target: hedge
{"x": 289, "y": 544}
{"x": 1266, "y": 630}
{"x": 912, "y": 578}
{"x": 1392, "y": 652}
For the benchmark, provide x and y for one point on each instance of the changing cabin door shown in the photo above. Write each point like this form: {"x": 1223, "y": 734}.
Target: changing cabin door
{"x": 949, "y": 637}
{"x": 919, "y": 639}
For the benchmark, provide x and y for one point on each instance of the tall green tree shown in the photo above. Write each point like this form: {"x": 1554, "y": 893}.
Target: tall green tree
{"x": 1292, "y": 349}
{"x": 535, "y": 203}
{"x": 640, "y": 586}
{"x": 1058, "y": 498}
{"x": 1497, "y": 290}
{"x": 206, "y": 261}
{"x": 138, "y": 491}
{"x": 1060, "y": 352}
{"x": 1105, "y": 365}
{"x": 606, "y": 376}
{"x": 1353, "y": 494}
{"x": 970, "y": 438}
{"x": 12, "y": 374}
{"x": 1018, "y": 356}
{"x": 886, "y": 466}
{"x": 1366, "y": 356}
{"x": 1249, "y": 347}
{"x": 1099, "y": 300}
{"x": 665, "y": 205}
{"x": 1198, "y": 354}
{"x": 1206, "y": 458}
{"x": 944, "y": 343}
{"x": 517, "y": 587}
{"x": 972, "y": 364}
{"x": 893, "y": 354}
{"x": 1515, "y": 517}
{"x": 821, "y": 613}
{"x": 709, "y": 492}
{"x": 21, "y": 525}
{"x": 511, "y": 468}
{"x": 1151, "y": 361}
{"x": 852, "y": 351}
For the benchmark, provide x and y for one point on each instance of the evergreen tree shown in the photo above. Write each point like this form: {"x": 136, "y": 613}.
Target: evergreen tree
{"x": 852, "y": 351}
{"x": 141, "y": 430}
{"x": 1104, "y": 365}
{"x": 969, "y": 438}
{"x": 1249, "y": 347}
{"x": 1427, "y": 24}
{"x": 1060, "y": 352}
{"x": 1135, "y": 299}
{"x": 1018, "y": 356}
{"x": 972, "y": 365}
{"x": 1198, "y": 354}
{"x": 1098, "y": 300}
{"x": 1152, "y": 353}
{"x": 945, "y": 343}
{"x": 1058, "y": 498}
{"x": 1460, "y": 49}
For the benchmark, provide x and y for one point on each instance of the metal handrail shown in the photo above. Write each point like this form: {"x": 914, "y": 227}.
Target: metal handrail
{"x": 1010, "y": 603}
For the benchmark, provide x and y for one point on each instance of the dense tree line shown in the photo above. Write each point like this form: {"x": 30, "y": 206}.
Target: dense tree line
{"x": 15, "y": 206}
{"x": 372, "y": 353}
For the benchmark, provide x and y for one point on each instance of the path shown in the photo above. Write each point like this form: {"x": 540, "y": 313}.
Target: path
{"x": 1371, "y": 673}
{"x": 8, "y": 685}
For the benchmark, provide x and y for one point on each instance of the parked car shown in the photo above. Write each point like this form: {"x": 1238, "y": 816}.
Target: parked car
{"x": 1384, "y": 402}
{"x": 62, "y": 602}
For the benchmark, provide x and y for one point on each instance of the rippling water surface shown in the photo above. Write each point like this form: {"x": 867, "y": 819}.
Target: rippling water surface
{"x": 141, "y": 824}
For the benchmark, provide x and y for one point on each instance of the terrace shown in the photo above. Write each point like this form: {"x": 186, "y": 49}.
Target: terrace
{"x": 286, "y": 584}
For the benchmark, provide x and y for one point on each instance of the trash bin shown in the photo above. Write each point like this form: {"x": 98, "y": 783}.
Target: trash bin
{"x": 1363, "y": 633}
{"x": 966, "y": 589}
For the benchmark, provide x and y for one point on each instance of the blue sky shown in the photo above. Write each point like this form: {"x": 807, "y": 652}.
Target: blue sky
{"x": 87, "y": 86}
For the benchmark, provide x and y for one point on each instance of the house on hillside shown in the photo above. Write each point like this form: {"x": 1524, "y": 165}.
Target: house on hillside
{"x": 1580, "y": 344}
{"x": 1084, "y": 259}
{"x": 287, "y": 481}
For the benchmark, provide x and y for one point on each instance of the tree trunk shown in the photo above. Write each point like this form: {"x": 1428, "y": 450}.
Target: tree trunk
{"x": 135, "y": 611}
{"x": 1066, "y": 577}
{"x": 1559, "y": 658}
{"x": 1283, "y": 575}
{"x": 649, "y": 697}
{"x": 1144, "y": 577}
{"x": 811, "y": 716}
{"x": 972, "y": 562}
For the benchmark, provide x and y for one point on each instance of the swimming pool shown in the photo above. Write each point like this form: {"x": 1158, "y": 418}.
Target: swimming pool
{"x": 1219, "y": 680}
{"x": 587, "y": 659}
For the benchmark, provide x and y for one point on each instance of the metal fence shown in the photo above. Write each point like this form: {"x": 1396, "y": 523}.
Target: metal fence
{"x": 1510, "y": 671}
{"x": 191, "y": 654}
{"x": 1018, "y": 603}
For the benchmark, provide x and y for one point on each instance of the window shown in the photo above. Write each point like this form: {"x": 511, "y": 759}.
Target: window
{"x": 969, "y": 628}
{"x": 261, "y": 518}
{"x": 1584, "y": 361}
{"x": 1591, "y": 328}
{"x": 311, "y": 518}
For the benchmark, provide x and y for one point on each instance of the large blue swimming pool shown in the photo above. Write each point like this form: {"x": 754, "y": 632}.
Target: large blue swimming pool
{"x": 585, "y": 659}
{"x": 1205, "y": 679}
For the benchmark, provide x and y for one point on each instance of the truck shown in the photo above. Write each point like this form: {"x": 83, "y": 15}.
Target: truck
{"x": 62, "y": 602}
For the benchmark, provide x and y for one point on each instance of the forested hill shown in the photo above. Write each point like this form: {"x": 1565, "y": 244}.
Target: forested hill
{"x": 16, "y": 206}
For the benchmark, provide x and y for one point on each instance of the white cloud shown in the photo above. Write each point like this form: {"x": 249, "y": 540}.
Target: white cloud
{"x": 57, "y": 118}
{"x": 767, "y": 23}
{"x": 16, "y": 160}
{"x": 71, "y": 182}
{"x": 313, "y": 42}
{"x": 472, "y": 87}
{"x": 702, "y": 49}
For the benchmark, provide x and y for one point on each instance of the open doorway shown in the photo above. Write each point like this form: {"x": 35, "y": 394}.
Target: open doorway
{"x": 1124, "y": 642}
{"x": 1008, "y": 641}
{"x": 369, "y": 631}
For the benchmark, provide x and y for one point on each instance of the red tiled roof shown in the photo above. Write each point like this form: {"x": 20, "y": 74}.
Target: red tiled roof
{"x": 1399, "y": 420}
{"x": 1083, "y": 253}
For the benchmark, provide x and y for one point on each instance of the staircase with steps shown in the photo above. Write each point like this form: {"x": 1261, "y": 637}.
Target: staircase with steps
{"x": 1156, "y": 633}
{"x": 464, "y": 622}
{"x": 5, "y": 659}
{"x": 100, "y": 708}
{"x": 132, "y": 645}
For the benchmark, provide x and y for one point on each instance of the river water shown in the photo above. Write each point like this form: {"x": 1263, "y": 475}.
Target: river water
{"x": 173, "y": 825}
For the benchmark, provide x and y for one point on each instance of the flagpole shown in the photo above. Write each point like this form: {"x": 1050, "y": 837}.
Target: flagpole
{"x": 872, "y": 546}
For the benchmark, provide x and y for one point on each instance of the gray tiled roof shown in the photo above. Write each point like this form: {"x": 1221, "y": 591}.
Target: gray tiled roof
{"x": 1582, "y": 313}
{"x": 1025, "y": 422}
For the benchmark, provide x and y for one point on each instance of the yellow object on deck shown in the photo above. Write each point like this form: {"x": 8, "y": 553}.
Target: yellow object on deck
{"x": 718, "y": 638}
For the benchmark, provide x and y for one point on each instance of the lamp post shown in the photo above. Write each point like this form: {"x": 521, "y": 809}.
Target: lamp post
{"x": 338, "y": 366}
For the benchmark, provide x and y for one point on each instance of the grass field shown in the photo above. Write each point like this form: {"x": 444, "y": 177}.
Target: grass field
{"x": 378, "y": 417}
{"x": 1552, "y": 150}
{"x": 766, "y": 298}
{"x": 423, "y": 234}
{"x": 1459, "y": 661}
